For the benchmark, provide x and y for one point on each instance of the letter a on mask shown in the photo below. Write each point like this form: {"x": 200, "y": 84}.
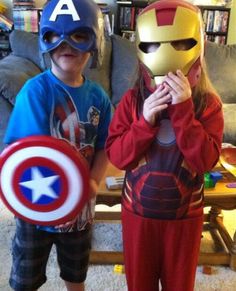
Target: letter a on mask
{"x": 69, "y": 11}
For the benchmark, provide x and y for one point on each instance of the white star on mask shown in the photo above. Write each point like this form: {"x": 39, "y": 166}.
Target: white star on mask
{"x": 40, "y": 185}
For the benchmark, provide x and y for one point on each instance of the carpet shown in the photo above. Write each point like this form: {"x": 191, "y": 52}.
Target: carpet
{"x": 102, "y": 277}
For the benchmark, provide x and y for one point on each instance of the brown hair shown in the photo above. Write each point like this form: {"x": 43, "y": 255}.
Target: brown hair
{"x": 202, "y": 90}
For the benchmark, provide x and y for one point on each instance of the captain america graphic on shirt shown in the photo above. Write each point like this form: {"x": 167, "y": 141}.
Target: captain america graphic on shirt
{"x": 79, "y": 115}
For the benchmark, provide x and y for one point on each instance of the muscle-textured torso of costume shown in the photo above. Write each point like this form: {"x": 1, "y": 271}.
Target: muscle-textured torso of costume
{"x": 162, "y": 186}
{"x": 165, "y": 164}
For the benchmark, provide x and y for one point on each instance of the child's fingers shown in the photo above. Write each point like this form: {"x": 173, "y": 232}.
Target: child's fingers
{"x": 159, "y": 93}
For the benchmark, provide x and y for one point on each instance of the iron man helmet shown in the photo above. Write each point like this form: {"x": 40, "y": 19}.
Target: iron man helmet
{"x": 169, "y": 36}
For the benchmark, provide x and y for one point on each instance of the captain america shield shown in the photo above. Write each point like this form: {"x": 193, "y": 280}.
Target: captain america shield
{"x": 43, "y": 180}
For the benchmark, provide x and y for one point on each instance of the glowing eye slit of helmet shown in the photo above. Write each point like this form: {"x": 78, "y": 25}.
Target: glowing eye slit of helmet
{"x": 169, "y": 36}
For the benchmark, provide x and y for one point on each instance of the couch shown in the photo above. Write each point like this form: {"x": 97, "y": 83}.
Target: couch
{"x": 116, "y": 73}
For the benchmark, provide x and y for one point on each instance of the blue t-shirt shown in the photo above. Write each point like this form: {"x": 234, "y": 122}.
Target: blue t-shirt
{"x": 47, "y": 106}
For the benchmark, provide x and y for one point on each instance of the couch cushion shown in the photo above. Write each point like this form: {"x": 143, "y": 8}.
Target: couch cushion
{"x": 229, "y": 111}
{"x": 14, "y": 72}
{"x": 124, "y": 67}
{"x": 101, "y": 74}
{"x": 25, "y": 44}
{"x": 221, "y": 64}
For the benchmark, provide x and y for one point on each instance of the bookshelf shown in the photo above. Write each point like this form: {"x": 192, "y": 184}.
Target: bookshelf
{"x": 108, "y": 19}
{"x": 216, "y": 19}
{"x": 26, "y": 19}
{"x": 127, "y": 12}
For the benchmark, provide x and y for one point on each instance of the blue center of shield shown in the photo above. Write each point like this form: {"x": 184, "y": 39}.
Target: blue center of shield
{"x": 40, "y": 185}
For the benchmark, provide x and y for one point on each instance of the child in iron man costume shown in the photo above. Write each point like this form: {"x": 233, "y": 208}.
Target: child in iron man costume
{"x": 165, "y": 133}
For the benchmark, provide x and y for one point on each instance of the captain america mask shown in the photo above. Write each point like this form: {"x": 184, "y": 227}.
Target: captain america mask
{"x": 78, "y": 23}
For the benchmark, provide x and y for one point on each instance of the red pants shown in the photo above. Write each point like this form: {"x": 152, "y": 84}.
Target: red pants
{"x": 160, "y": 250}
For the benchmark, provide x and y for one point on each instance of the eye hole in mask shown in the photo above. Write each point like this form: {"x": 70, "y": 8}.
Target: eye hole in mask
{"x": 184, "y": 44}
{"x": 77, "y": 37}
{"x": 149, "y": 47}
{"x": 179, "y": 45}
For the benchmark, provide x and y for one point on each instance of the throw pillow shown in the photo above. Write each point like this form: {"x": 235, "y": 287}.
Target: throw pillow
{"x": 5, "y": 111}
{"x": 101, "y": 74}
{"x": 221, "y": 64}
{"x": 25, "y": 44}
{"x": 124, "y": 67}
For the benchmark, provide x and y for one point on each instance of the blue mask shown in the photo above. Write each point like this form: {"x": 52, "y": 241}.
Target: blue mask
{"x": 76, "y": 22}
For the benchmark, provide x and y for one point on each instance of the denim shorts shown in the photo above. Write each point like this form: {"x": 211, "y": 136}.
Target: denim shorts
{"x": 30, "y": 251}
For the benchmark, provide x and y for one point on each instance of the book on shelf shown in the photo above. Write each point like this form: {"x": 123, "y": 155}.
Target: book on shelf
{"x": 130, "y": 35}
{"x": 125, "y": 2}
{"x": 210, "y": 20}
{"x": 23, "y": 4}
{"x": 107, "y": 25}
{"x": 211, "y": 2}
{"x": 224, "y": 21}
{"x": 219, "y": 39}
{"x": 125, "y": 17}
{"x": 26, "y": 19}
{"x": 6, "y": 24}
{"x": 216, "y": 20}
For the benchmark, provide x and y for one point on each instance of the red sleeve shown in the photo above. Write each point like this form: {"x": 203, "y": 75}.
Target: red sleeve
{"x": 129, "y": 136}
{"x": 198, "y": 140}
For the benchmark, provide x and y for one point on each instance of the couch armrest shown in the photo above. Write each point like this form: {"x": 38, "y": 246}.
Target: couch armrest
{"x": 221, "y": 64}
{"x": 26, "y": 45}
{"x": 5, "y": 111}
{"x": 14, "y": 72}
{"x": 229, "y": 111}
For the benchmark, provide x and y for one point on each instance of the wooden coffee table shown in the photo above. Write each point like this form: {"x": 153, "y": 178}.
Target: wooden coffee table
{"x": 219, "y": 198}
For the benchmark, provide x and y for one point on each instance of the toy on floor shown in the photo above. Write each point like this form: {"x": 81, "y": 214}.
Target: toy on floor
{"x": 119, "y": 269}
{"x": 207, "y": 270}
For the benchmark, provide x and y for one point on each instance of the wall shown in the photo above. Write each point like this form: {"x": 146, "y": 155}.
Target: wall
{"x": 232, "y": 24}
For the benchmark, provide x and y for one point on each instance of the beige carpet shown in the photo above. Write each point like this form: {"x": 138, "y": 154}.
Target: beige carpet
{"x": 102, "y": 278}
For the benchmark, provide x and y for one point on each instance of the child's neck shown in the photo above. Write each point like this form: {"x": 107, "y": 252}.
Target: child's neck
{"x": 72, "y": 80}
{"x": 76, "y": 82}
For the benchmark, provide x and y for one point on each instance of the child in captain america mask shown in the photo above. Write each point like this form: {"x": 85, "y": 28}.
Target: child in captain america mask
{"x": 165, "y": 133}
{"x": 62, "y": 103}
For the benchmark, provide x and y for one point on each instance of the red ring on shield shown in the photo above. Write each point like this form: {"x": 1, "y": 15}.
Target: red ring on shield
{"x": 43, "y": 180}
{"x": 56, "y": 203}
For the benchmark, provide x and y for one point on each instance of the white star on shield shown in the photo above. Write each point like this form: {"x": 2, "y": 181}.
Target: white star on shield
{"x": 40, "y": 185}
